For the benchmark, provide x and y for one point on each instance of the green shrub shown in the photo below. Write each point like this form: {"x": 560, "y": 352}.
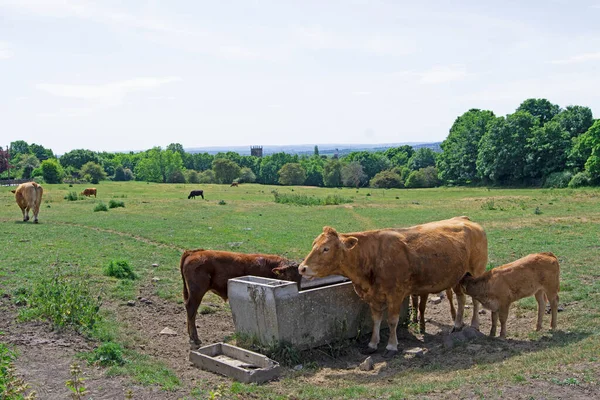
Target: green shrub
{"x": 63, "y": 296}
{"x": 107, "y": 354}
{"x": 115, "y": 204}
{"x": 73, "y": 196}
{"x": 11, "y": 385}
{"x": 222, "y": 202}
{"x": 387, "y": 179}
{"x": 100, "y": 207}
{"x": 120, "y": 269}
{"x": 304, "y": 200}
{"x": 580, "y": 179}
{"x": 558, "y": 179}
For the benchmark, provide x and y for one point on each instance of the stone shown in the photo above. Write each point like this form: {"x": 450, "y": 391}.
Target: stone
{"x": 415, "y": 351}
{"x": 435, "y": 300}
{"x": 131, "y": 303}
{"x": 155, "y": 265}
{"x": 168, "y": 332}
{"x": 471, "y": 333}
{"x": 482, "y": 312}
{"x": 367, "y": 365}
{"x": 298, "y": 367}
{"x": 448, "y": 342}
{"x": 155, "y": 279}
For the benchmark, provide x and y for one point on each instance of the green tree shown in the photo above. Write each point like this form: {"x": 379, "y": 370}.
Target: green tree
{"x": 316, "y": 152}
{"x": 93, "y": 172}
{"x": 207, "y": 176}
{"x": 592, "y": 165}
{"x": 119, "y": 174}
{"x": 226, "y": 171}
{"x": 201, "y": 161}
{"x": 372, "y": 163}
{"x": 271, "y": 164}
{"x": 423, "y": 178}
{"x": 503, "y": 148}
{"x": 314, "y": 170}
{"x": 423, "y": 158}
{"x": 247, "y": 175}
{"x": 176, "y": 176}
{"x": 17, "y": 148}
{"x": 192, "y": 176}
{"x": 52, "y": 172}
{"x": 292, "y": 174}
{"x": 576, "y": 120}
{"x": 332, "y": 173}
{"x": 40, "y": 152}
{"x": 77, "y": 158}
{"x": 353, "y": 175}
{"x": 157, "y": 165}
{"x": 540, "y": 108}
{"x": 457, "y": 162}
{"x": 27, "y": 163}
{"x": 387, "y": 179}
{"x": 547, "y": 150}
{"x": 399, "y": 156}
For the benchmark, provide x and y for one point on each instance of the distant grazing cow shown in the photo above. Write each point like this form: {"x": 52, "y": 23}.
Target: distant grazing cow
{"x": 387, "y": 265}
{"x": 535, "y": 274}
{"x": 204, "y": 270}
{"x": 195, "y": 193}
{"x": 29, "y": 197}
{"x": 234, "y": 184}
{"x": 89, "y": 191}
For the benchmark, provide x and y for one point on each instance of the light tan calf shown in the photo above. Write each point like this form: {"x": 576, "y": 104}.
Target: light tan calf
{"x": 535, "y": 274}
{"x": 29, "y": 197}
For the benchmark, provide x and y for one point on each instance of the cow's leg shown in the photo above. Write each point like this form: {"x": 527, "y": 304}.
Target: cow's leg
{"x": 26, "y": 214}
{"x": 461, "y": 299}
{"x": 503, "y": 315}
{"x": 554, "y": 308}
{"x": 494, "y": 323}
{"x": 393, "y": 317}
{"x": 422, "y": 307}
{"x": 36, "y": 210}
{"x": 377, "y": 315}
{"x": 451, "y": 301}
{"x": 415, "y": 307}
{"x": 195, "y": 295}
{"x": 540, "y": 297}
{"x": 475, "y": 317}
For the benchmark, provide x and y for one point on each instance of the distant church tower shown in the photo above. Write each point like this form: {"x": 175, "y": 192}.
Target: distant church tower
{"x": 256, "y": 151}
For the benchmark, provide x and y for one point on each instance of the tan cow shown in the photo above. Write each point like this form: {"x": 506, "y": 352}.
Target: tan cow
{"x": 89, "y": 191}
{"x": 535, "y": 274}
{"x": 387, "y": 265}
{"x": 204, "y": 270}
{"x": 29, "y": 197}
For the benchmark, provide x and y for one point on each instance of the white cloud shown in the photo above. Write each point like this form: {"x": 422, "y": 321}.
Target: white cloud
{"x": 5, "y": 51}
{"x": 580, "y": 58}
{"x": 108, "y": 91}
{"x": 443, "y": 74}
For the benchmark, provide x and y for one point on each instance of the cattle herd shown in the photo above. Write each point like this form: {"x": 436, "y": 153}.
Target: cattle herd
{"x": 384, "y": 265}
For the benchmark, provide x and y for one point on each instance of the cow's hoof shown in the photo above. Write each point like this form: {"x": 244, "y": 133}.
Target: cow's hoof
{"x": 35, "y": 221}
{"x": 368, "y": 350}
{"x": 390, "y": 353}
{"x": 456, "y": 329}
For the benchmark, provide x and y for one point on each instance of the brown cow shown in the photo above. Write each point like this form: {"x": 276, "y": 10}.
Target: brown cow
{"x": 234, "y": 184}
{"x": 535, "y": 274}
{"x": 387, "y": 265}
{"x": 204, "y": 270}
{"x": 89, "y": 191}
{"x": 29, "y": 197}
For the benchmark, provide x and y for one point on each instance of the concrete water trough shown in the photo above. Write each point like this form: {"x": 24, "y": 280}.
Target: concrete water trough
{"x": 240, "y": 364}
{"x": 323, "y": 311}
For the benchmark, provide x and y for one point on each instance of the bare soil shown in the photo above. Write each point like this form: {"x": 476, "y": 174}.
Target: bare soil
{"x": 45, "y": 356}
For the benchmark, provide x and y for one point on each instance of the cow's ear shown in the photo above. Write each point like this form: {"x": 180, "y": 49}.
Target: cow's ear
{"x": 350, "y": 242}
{"x": 329, "y": 231}
{"x": 277, "y": 271}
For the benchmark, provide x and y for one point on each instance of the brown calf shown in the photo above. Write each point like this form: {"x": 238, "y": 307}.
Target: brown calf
{"x": 535, "y": 274}
{"x": 204, "y": 270}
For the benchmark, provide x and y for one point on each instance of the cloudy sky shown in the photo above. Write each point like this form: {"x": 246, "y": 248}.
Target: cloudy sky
{"x": 129, "y": 75}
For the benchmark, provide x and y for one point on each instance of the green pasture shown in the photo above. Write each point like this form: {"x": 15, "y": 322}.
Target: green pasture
{"x": 158, "y": 221}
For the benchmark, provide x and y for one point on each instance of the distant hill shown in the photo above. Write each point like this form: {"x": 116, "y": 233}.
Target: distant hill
{"x": 304, "y": 149}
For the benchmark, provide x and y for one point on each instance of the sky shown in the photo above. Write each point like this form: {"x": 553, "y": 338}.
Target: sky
{"x": 131, "y": 75}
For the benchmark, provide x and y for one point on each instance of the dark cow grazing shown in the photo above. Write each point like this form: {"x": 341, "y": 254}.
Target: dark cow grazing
{"x": 195, "y": 193}
{"x": 234, "y": 184}
{"x": 89, "y": 191}
{"x": 535, "y": 274}
{"x": 29, "y": 197}
{"x": 204, "y": 270}
{"x": 387, "y": 265}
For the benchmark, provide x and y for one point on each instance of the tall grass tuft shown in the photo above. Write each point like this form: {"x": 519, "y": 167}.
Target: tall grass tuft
{"x": 63, "y": 296}
{"x": 115, "y": 203}
{"x": 100, "y": 207}
{"x": 73, "y": 196}
{"x": 120, "y": 269}
{"x": 304, "y": 200}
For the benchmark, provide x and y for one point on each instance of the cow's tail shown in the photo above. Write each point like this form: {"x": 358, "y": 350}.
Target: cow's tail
{"x": 37, "y": 197}
{"x": 184, "y": 256}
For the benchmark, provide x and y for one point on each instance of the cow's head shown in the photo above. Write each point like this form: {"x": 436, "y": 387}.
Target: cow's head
{"x": 288, "y": 271}
{"x": 327, "y": 255}
{"x": 465, "y": 280}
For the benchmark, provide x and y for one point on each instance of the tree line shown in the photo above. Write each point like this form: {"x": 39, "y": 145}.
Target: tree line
{"x": 540, "y": 144}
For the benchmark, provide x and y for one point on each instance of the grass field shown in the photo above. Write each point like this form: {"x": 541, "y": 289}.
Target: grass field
{"x": 158, "y": 221}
